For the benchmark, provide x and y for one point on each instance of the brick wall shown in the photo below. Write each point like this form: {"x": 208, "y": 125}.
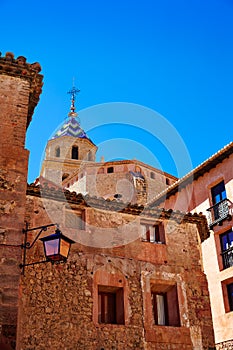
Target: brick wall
{"x": 20, "y": 86}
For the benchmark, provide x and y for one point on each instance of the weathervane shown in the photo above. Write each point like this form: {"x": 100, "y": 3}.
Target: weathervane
{"x": 73, "y": 92}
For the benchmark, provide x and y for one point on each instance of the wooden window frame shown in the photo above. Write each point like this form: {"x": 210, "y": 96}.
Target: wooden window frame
{"x": 228, "y": 304}
{"x": 230, "y": 298}
{"x": 111, "y": 305}
{"x": 153, "y": 229}
{"x": 170, "y": 307}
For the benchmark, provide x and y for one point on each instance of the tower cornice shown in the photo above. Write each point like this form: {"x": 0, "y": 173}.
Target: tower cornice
{"x": 19, "y": 68}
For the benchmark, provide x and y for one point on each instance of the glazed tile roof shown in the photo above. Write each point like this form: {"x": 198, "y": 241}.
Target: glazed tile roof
{"x": 71, "y": 127}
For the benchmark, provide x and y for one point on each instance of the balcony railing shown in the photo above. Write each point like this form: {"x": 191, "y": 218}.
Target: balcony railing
{"x": 227, "y": 257}
{"x": 218, "y": 212}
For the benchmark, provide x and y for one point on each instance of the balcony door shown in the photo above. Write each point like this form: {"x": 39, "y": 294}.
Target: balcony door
{"x": 227, "y": 248}
{"x": 218, "y": 193}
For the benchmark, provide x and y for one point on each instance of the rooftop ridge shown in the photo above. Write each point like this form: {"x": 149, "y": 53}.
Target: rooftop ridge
{"x": 117, "y": 162}
{"x": 198, "y": 171}
{"x": 57, "y": 193}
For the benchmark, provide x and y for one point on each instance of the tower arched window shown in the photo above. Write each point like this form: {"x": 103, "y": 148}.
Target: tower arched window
{"x": 138, "y": 169}
{"x": 57, "y": 152}
{"x": 74, "y": 154}
{"x": 89, "y": 156}
{"x": 64, "y": 176}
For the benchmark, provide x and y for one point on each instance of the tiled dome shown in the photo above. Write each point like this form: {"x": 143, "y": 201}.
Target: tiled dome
{"x": 71, "y": 127}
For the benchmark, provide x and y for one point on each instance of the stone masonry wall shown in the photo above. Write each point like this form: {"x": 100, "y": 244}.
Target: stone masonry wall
{"x": 227, "y": 345}
{"x": 59, "y": 303}
{"x": 20, "y": 86}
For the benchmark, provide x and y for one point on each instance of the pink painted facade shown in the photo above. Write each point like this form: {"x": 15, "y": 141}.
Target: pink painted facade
{"x": 209, "y": 189}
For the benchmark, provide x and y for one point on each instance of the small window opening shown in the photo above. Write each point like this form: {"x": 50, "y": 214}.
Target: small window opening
{"x": 64, "y": 176}
{"x": 89, "y": 156}
{"x": 57, "y": 152}
{"x": 74, "y": 152}
{"x": 110, "y": 305}
{"x": 168, "y": 182}
{"x": 165, "y": 307}
{"x": 152, "y": 175}
{"x": 110, "y": 169}
{"x": 152, "y": 233}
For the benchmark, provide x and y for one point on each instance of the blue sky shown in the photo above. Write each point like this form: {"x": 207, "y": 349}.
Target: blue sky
{"x": 172, "y": 57}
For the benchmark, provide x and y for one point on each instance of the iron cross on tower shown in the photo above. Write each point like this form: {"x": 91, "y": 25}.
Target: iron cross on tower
{"x": 73, "y": 92}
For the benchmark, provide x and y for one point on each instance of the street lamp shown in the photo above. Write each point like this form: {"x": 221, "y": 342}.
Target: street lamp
{"x": 56, "y": 246}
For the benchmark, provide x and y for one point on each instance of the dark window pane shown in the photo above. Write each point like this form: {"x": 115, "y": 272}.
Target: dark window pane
{"x": 110, "y": 170}
{"x": 57, "y": 152}
{"x": 230, "y": 295}
{"x": 111, "y": 307}
{"x": 74, "y": 152}
{"x": 173, "y": 310}
{"x": 165, "y": 308}
{"x": 224, "y": 242}
{"x": 230, "y": 238}
{"x": 218, "y": 192}
{"x": 159, "y": 302}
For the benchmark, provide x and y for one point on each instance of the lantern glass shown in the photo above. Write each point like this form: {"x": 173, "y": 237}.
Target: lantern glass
{"x": 51, "y": 247}
{"x": 64, "y": 248}
{"x": 56, "y": 246}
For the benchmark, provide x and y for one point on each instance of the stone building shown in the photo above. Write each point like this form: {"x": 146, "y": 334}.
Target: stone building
{"x": 70, "y": 162}
{"x": 134, "y": 277}
{"x": 209, "y": 189}
{"x": 123, "y": 287}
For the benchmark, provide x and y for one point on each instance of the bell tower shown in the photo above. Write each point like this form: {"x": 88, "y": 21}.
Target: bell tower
{"x": 68, "y": 149}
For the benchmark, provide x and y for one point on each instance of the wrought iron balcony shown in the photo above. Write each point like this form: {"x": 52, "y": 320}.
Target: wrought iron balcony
{"x": 227, "y": 257}
{"x": 219, "y": 212}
